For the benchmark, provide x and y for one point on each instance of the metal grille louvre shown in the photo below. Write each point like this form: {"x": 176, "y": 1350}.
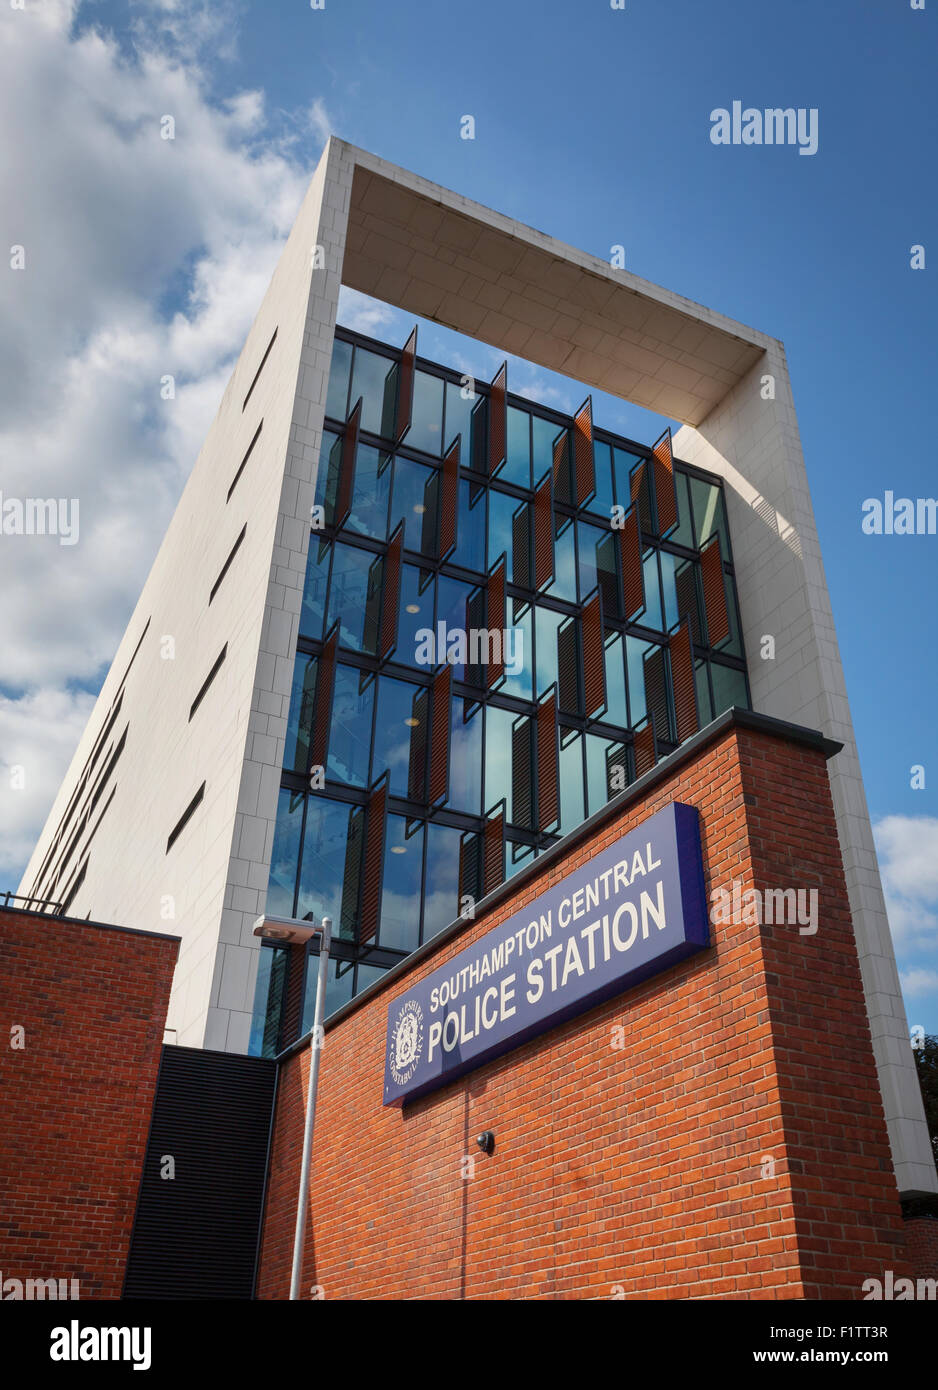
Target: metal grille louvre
{"x": 548, "y": 784}
{"x": 639, "y": 485}
{"x": 498, "y": 419}
{"x": 711, "y": 573}
{"x": 665, "y": 492}
{"x": 197, "y": 1236}
{"x": 522, "y": 773}
{"x": 543, "y": 534}
{"x": 561, "y": 466}
{"x": 630, "y": 554}
{"x": 475, "y": 619}
{"x": 656, "y": 691}
{"x": 496, "y": 621}
{"x": 417, "y": 765}
{"x": 439, "y": 735}
{"x": 567, "y": 664}
{"x": 643, "y": 749}
{"x": 405, "y": 386}
{"x": 521, "y": 547}
{"x": 373, "y": 861}
{"x": 322, "y": 704}
{"x": 493, "y": 850}
{"x": 682, "y": 680}
{"x": 392, "y": 594}
{"x": 449, "y": 495}
{"x": 584, "y": 467}
{"x": 343, "y": 493}
{"x": 352, "y": 876}
{"x": 594, "y": 659}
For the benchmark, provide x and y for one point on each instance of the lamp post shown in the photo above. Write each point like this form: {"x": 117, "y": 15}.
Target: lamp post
{"x": 292, "y": 931}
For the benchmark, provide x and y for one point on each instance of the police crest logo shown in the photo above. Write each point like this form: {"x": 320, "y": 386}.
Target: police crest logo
{"x": 406, "y": 1042}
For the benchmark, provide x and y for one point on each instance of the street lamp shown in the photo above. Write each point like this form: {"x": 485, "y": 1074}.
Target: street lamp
{"x": 294, "y": 932}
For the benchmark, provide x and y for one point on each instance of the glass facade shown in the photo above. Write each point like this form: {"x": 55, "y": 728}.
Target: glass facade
{"x": 381, "y": 617}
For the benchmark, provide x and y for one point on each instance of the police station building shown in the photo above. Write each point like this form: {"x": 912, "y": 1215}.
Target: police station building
{"x": 551, "y": 723}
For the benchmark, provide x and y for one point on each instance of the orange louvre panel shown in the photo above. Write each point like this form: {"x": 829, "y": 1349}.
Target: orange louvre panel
{"x": 439, "y": 735}
{"x": 543, "y": 534}
{"x": 682, "y": 681}
{"x": 583, "y": 466}
{"x": 548, "y": 787}
{"x": 594, "y": 660}
{"x": 630, "y": 554}
{"x": 449, "y": 492}
{"x": 714, "y": 592}
{"x": 390, "y": 602}
{"x": 373, "y": 862}
{"x": 664, "y": 484}
{"x": 561, "y": 466}
{"x": 493, "y": 851}
{"x": 639, "y": 485}
{"x": 322, "y": 707}
{"x": 644, "y": 749}
{"x": 496, "y": 622}
{"x": 498, "y": 418}
{"x": 343, "y": 495}
{"x": 405, "y": 386}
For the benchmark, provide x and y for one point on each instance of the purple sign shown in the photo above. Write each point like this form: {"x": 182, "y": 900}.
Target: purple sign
{"x": 630, "y": 912}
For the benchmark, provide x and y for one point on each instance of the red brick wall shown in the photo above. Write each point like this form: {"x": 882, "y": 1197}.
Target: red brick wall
{"x": 734, "y": 1147}
{"x": 77, "y": 1098}
{"x": 921, "y": 1233}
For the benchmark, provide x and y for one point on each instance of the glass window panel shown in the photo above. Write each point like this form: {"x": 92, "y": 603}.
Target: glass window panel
{"x": 635, "y": 657}
{"x": 459, "y": 421}
{"x": 403, "y": 876}
{"x": 501, "y": 509}
{"x": 370, "y": 381}
{"x": 684, "y": 535}
{"x": 729, "y": 688}
{"x": 268, "y": 1001}
{"x": 284, "y": 860}
{"x": 546, "y": 625}
{"x": 564, "y": 583}
{"x": 733, "y": 645}
{"x": 300, "y": 722}
{"x": 337, "y": 395}
{"x": 370, "y": 492}
{"x": 602, "y": 466}
{"x": 498, "y": 724}
{"x": 350, "y": 729}
{"x": 355, "y": 596}
{"x": 669, "y": 564}
{"x": 340, "y": 975}
{"x": 441, "y": 899}
{"x": 572, "y": 810}
{"x": 622, "y": 465}
{"x": 367, "y": 974}
{"x": 543, "y": 434}
{"x": 393, "y": 732}
{"x": 426, "y": 425}
{"x": 517, "y": 856}
{"x": 465, "y": 762}
{"x": 594, "y": 555}
{"x": 331, "y": 868}
{"x": 313, "y": 612}
{"x": 416, "y": 612}
{"x": 414, "y": 493}
{"x": 597, "y": 763}
{"x": 452, "y": 597}
{"x": 517, "y": 467}
{"x": 652, "y": 614}
{"x": 617, "y": 709}
{"x": 518, "y": 653}
{"x": 327, "y": 475}
{"x": 709, "y": 514}
{"x": 704, "y": 705}
{"x": 470, "y": 528}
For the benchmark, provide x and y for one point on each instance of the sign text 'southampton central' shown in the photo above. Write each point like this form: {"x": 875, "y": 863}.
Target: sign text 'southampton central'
{"x": 631, "y": 911}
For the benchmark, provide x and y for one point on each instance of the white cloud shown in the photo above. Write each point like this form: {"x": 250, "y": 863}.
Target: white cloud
{"x": 117, "y": 224}
{"x": 907, "y": 847}
{"x": 919, "y": 983}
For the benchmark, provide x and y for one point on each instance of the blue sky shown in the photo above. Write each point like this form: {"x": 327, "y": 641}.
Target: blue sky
{"x": 593, "y": 125}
